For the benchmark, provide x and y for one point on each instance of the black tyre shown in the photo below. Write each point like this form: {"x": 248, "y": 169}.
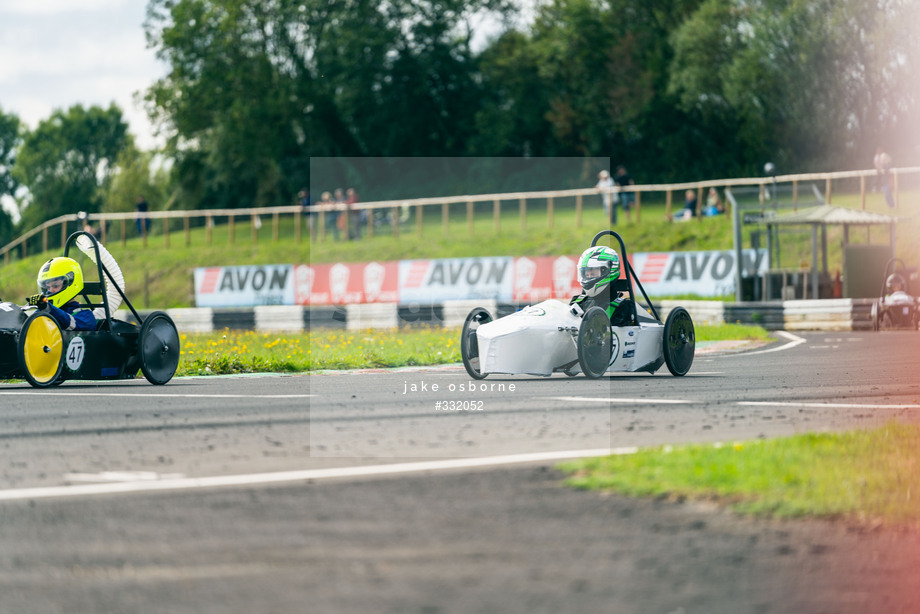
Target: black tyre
{"x": 886, "y": 322}
{"x": 41, "y": 350}
{"x": 469, "y": 345}
{"x": 158, "y": 347}
{"x": 595, "y": 345}
{"x": 679, "y": 341}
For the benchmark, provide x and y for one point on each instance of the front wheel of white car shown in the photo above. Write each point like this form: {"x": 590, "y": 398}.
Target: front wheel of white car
{"x": 595, "y": 345}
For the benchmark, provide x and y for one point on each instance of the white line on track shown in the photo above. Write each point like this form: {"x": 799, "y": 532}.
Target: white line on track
{"x": 143, "y": 486}
{"x": 159, "y": 396}
{"x": 794, "y": 340}
{"x": 618, "y": 400}
{"x": 831, "y": 405}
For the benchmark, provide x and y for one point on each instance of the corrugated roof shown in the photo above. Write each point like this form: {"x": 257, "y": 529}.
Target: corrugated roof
{"x": 829, "y": 214}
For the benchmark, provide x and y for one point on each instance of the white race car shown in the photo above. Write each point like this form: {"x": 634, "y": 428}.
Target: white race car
{"x": 548, "y": 337}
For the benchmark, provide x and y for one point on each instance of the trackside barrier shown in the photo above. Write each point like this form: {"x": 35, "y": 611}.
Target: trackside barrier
{"x": 825, "y": 314}
{"x": 702, "y": 312}
{"x": 280, "y": 318}
{"x": 371, "y": 315}
{"x": 830, "y": 314}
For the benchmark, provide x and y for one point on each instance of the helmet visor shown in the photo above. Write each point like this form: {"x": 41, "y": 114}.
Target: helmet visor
{"x": 53, "y": 285}
{"x": 589, "y": 275}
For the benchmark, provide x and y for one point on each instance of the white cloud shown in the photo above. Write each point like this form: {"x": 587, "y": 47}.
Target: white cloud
{"x": 57, "y": 53}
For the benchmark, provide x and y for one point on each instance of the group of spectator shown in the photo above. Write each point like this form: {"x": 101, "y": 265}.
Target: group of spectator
{"x": 342, "y": 219}
{"x": 625, "y": 197}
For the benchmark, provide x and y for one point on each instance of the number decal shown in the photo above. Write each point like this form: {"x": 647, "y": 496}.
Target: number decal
{"x": 75, "y": 352}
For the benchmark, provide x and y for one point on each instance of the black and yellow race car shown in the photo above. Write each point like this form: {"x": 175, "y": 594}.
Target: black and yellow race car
{"x": 34, "y": 347}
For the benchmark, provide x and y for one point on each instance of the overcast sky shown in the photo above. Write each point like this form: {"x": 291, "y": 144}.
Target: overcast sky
{"x": 57, "y": 53}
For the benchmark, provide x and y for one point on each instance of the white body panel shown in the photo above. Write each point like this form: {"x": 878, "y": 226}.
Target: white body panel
{"x": 542, "y": 338}
{"x": 529, "y": 341}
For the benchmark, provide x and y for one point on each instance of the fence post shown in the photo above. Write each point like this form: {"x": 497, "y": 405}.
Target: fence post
{"x": 419, "y": 212}
{"x": 497, "y": 215}
{"x": 699, "y": 204}
{"x": 254, "y": 231}
{"x": 668, "y": 199}
{"x": 231, "y": 227}
{"x": 578, "y": 206}
{"x": 395, "y": 213}
{"x": 275, "y": 231}
{"x": 102, "y": 225}
{"x": 208, "y": 224}
{"x": 45, "y": 239}
{"x": 897, "y": 192}
{"x": 445, "y": 216}
{"x": 827, "y": 191}
{"x": 124, "y": 232}
{"x": 469, "y": 217}
{"x": 166, "y": 231}
{"x": 188, "y": 231}
{"x": 549, "y": 211}
{"x": 795, "y": 192}
{"x": 370, "y": 222}
{"x": 862, "y": 191}
{"x": 639, "y": 205}
{"x": 63, "y": 234}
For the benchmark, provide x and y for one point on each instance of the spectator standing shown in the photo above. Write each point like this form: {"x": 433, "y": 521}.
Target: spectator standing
{"x": 140, "y": 217}
{"x": 883, "y": 163}
{"x": 605, "y": 183}
{"x": 332, "y": 219}
{"x": 627, "y": 197}
{"x": 343, "y": 223}
{"x": 303, "y": 198}
{"x": 358, "y": 219}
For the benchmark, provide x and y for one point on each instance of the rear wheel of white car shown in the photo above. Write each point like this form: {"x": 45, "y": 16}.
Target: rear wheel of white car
{"x": 594, "y": 343}
{"x": 679, "y": 341}
{"x": 469, "y": 344}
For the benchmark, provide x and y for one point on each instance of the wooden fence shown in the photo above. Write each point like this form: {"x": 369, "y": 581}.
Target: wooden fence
{"x": 398, "y": 213}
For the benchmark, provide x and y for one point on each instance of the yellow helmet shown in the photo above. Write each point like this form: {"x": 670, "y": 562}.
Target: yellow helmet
{"x": 60, "y": 280}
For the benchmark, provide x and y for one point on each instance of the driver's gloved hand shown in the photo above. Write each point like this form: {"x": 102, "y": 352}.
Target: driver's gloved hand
{"x": 42, "y": 304}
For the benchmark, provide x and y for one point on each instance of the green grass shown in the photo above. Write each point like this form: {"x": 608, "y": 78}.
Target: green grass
{"x": 249, "y": 352}
{"x": 161, "y": 277}
{"x": 859, "y": 475}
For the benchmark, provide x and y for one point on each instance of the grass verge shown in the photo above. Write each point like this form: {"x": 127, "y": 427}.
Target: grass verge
{"x": 228, "y": 352}
{"x": 864, "y": 475}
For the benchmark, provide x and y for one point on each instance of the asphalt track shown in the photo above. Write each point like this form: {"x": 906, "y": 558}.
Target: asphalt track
{"x": 356, "y": 493}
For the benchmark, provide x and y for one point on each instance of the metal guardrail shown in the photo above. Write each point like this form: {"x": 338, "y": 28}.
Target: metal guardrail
{"x": 400, "y": 211}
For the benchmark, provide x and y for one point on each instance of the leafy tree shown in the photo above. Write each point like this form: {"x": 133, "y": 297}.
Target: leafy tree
{"x": 9, "y": 140}
{"x": 67, "y": 159}
{"x": 255, "y": 88}
{"x": 134, "y": 176}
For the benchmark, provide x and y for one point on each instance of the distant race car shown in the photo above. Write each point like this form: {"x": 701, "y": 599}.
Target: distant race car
{"x": 896, "y": 308}
{"x": 33, "y": 346}
{"x": 549, "y": 337}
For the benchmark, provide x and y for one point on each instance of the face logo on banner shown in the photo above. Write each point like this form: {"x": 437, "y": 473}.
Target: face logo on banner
{"x": 303, "y": 286}
{"x": 525, "y": 270}
{"x": 374, "y": 274}
{"x": 563, "y": 275}
{"x": 338, "y": 281}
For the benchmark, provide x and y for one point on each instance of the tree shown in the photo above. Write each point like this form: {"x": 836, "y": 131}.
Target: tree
{"x": 67, "y": 159}
{"x": 256, "y": 88}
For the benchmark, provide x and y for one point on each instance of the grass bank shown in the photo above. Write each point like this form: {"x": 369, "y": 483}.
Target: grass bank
{"x": 160, "y": 277}
{"x": 864, "y": 476}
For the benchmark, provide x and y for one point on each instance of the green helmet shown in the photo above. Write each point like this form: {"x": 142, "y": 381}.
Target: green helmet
{"x": 597, "y": 267}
